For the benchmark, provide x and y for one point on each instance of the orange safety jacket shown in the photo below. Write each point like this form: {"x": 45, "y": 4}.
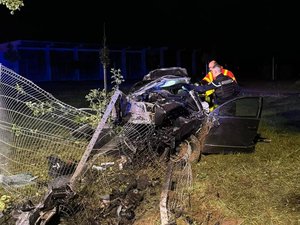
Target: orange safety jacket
{"x": 209, "y": 77}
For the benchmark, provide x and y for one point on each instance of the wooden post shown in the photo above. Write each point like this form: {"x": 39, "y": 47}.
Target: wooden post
{"x": 163, "y": 205}
{"x": 94, "y": 138}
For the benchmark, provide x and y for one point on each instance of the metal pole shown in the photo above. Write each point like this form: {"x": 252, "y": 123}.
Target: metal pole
{"x": 273, "y": 68}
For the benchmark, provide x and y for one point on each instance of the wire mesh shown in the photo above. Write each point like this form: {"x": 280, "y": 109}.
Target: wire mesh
{"x": 42, "y": 140}
{"x": 119, "y": 176}
{"x": 35, "y": 132}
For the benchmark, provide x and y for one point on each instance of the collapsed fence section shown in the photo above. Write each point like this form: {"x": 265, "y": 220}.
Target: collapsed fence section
{"x": 111, "y": 174}
{"x": 44, "y": 145}
{"x": 36, "y": 141}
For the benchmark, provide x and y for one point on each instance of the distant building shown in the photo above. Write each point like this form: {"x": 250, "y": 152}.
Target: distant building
{"x": 57, "y": 61}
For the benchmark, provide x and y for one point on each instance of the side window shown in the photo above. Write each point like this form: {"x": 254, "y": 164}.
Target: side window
{"x": 241, "y": 107}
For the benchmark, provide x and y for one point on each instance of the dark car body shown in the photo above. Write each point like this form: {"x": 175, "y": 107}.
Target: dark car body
{"x": 238, "y": 131}
{"x": 160, "y": 100}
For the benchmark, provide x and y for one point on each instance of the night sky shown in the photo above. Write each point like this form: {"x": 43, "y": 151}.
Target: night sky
{"x": 249, "y": 30}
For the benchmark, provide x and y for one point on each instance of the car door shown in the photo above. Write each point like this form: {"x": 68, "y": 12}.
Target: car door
{"x": 235, "y": 126}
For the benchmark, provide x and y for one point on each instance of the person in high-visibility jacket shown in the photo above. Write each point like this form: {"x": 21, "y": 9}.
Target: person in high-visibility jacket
{"x": 210, "y": 77}
{"x": 224, "y": 87}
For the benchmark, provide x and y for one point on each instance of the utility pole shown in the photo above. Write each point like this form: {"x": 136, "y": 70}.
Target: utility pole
{"x": 104, "y": 58}
{"x": 273, "y": 68}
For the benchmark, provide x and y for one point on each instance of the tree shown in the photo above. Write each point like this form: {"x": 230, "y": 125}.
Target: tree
{"x": 104, "y": 57}
{"x": 12, "y": 5}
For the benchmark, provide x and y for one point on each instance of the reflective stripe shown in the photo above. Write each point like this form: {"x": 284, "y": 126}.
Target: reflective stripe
{"x": 211, "y": 78}
{"x": 206, "y": 78}
{"x": 209, "y": 92}
{"x": 228, "y": 73}
{"x": 213, "y": 107}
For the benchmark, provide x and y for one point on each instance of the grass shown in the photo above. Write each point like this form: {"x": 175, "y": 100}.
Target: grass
{"x": 258, "y": 188}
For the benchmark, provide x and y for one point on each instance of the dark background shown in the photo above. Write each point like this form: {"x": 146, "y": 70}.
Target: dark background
{"x": 244, "y": 35}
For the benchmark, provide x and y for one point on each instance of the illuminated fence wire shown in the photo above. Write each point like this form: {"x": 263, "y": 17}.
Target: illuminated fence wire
{"x": 125, "y": 168}
{"x": 34, "y": 126}
{"x": 39, "y": 132}
{"x": 42, "y": 139}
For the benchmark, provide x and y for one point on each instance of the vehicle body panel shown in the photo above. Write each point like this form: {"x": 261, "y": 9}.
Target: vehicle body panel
{"x": 235, "y": 130}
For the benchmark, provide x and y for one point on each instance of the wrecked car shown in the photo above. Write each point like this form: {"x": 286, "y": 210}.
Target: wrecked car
{"x": 159, "y": 99}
